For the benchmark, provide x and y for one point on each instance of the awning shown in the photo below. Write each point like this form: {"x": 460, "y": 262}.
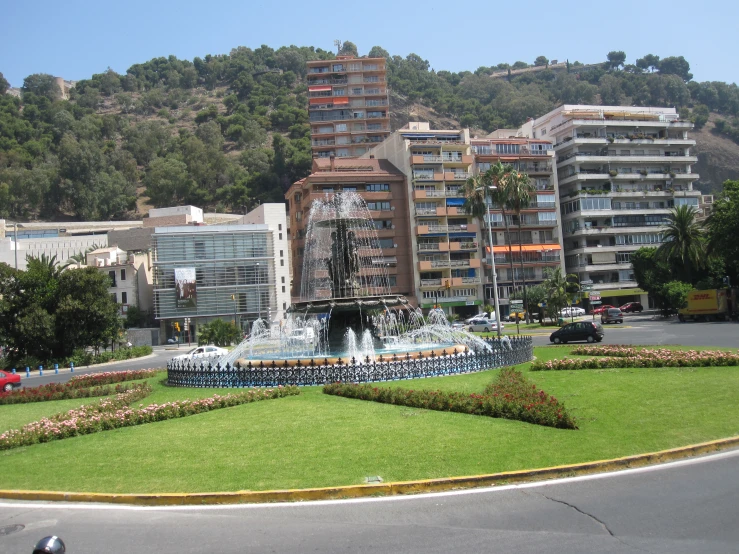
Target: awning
{"x": 455, "y": 201}
{"x": 526, "y": 248}
{"x": 461, "y": 235}
{"x": 341, "y": 99}
{"x": 433, "y": 235}
{"x": 318, "y": 89}
{"x": 321, "y": 100}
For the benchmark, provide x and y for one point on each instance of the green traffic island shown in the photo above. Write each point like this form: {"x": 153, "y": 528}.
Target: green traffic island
{"x": 319, "y": 440}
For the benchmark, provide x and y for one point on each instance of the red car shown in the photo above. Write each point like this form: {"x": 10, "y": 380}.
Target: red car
{"x": 632, "y": 307}
{"x": 600, "y": 309}
{"x": 8, "y": 381}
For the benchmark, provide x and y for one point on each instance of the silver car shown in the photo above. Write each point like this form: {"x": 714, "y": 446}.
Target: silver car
{"x": 483, "y": 325}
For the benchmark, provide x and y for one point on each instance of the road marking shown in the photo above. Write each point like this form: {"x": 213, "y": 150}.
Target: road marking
{"x": 45, "y": 505}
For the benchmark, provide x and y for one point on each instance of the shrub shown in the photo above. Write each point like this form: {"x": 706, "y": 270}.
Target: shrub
{"x": 511, "y": 396}
{"x": 621, "y": 357}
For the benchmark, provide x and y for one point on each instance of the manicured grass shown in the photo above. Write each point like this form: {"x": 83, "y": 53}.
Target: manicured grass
{"x": 316, "y": 440}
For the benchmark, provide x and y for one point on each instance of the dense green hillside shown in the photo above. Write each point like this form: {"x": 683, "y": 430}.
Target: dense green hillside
{"x": 225, "y": 132}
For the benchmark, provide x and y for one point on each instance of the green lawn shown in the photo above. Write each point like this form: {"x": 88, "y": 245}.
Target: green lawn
{"x": 315, "y": 440}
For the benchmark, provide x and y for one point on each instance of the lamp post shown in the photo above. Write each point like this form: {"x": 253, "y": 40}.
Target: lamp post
{"x": 259, "y": 293}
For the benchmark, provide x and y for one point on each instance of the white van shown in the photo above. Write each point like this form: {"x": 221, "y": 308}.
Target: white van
{"x": 305, "y": 335}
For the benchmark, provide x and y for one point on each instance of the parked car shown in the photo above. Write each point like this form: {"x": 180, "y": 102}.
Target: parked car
{"x": 600, "y": 309}
{"x": 481, "y": 315}
{"x": 8, "y": 381}
{"x": 632, "y": 307}
{"x": 207, "y": 351}
{"x": 571, "y": 311}
{"x": 579, "y": 330}
{"x": 612, "y": 315}
{"x": 484, "y": 325}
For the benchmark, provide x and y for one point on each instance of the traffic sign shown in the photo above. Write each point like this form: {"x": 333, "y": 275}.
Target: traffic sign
{"x": 586, "y": 282}
{"x": 596, "y": 302}
{"x": 587, "y": 288}
{"x": 517, "y": 302}
{"x": 594, "y": 295}
{"x": 542, "y": 304}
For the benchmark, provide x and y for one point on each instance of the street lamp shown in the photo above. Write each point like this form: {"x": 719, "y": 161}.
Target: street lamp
{"x": 492, "y": 260}
{"x": 259, "y": 293}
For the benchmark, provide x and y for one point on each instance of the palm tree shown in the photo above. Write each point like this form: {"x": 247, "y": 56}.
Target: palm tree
{"x": 498, "y": 176}
{"x": 81, "y": 257}
{"x": 519, "y": 190}
{"x": 558, "y": 289}
{"x": 46, "y": 264}
{"x": 683, "y": 241}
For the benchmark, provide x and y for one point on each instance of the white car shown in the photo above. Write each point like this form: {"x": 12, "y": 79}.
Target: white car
{"x": 302, "y": 336}
{"x": 485, "y": 325}
{"x": 572, "y": 311}
{"x": 207, "y": 351}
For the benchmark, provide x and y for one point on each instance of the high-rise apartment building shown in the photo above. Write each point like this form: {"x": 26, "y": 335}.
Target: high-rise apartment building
{"x": 383, "y": 188}
{"x": 348, "y": 105}
{"x": 445, "y": 241}
{"x": 538, "y": 241}
{"x": 620, "y": 170}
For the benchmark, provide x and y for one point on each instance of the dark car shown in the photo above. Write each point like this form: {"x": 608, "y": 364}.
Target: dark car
{"x": 632, "y": 307}
{"x": 612, "y": 315}
{"x": 9, "y": 381}
{"x": 580, "y": 330}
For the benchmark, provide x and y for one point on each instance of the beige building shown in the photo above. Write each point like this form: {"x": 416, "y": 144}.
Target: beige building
{"x": 446, "y": 246}
{"x": 347, "y": 105}
{"x": 130, "y": 276}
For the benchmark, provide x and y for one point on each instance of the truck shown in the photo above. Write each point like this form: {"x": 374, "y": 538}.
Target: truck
{"x": 709, "y": 305}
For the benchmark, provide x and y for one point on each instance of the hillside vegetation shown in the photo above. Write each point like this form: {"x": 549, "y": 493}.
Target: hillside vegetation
{"x": 225, "y": 132}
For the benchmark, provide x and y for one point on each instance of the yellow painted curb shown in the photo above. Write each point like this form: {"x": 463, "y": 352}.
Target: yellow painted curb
{"x": 381, "y": 489}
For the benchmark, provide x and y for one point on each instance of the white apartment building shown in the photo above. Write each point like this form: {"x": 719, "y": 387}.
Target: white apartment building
{"x": 620, "y": 170}
{"x": 130, "y": 276}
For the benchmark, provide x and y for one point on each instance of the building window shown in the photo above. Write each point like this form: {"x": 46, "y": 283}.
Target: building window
{"x": 383, "y": 224}
{"x": 282, "y": 263}
{"x": 284, "y": 306}
{"x": 280, "y": 236}
{"x": 124, "y": 298}
{"x": 382, "y": 206}
{"x": 114, "y": 297}
{"x": 283, "y": 289}
{"x": 281, "y": 253}
{"x": 377, "y": 187}
{"x": 123, "y": 274}
{"x": 111, "y": 274}
{"x": 279, "y": 226}
{"x": 283, "y": 279}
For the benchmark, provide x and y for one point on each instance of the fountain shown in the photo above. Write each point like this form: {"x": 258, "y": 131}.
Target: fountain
{"x": 347, "y": 317}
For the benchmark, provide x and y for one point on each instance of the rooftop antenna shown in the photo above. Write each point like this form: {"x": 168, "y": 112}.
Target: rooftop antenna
{"x": 338, "y": 45}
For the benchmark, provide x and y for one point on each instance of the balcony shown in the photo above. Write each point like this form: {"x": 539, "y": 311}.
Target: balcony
{"x": 457, "y": 246}
{"x": 427, "y": 211}
{"x": 430, "y": 283}
{"x": 427, "y": 176}
{"x": 426, "y": 229}
{"x": 326, "y": 81}
{"x": 469, "y": 228}
{"x": 471, "y": 280}
{"x": 433, "y": 247}
{"x": 416, "y": 159}
{"x": 460, "y": 176}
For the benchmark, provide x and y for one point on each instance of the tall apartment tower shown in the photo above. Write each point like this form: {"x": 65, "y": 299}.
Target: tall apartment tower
{"x": 540, "y": 239}
{"x": 445, "y": 241}
{"x": 620, "y": 170}
{"x": 348, "y": 105}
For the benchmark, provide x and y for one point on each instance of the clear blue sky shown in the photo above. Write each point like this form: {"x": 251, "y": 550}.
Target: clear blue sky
{"x": 74, "y": 39}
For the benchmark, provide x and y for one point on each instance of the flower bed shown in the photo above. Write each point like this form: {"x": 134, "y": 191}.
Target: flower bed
{"x": 621, "y": 357}
{"x": 511, "y": 396}
{"x": 114, "y": 413}
{"x": 83, "y": 386}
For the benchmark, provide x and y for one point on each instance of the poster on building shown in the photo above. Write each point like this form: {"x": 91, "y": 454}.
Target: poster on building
{"x": 185, "y": 285}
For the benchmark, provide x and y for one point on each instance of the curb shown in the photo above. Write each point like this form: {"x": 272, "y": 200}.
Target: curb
{"x": 383, "y": 489}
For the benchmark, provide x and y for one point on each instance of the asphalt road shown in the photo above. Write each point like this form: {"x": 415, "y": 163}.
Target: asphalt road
{"x": 688, "y": 506}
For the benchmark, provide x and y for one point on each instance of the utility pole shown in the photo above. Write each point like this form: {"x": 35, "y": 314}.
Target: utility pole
{"x": 15, "y": 244}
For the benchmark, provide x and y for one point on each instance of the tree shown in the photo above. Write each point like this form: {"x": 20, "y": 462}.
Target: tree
{"x": 541, "y": 61}
{"x": 348, "y": 49}
{"x": 650, "y": 61}
{"x": 675, "y": 294}
{"x": 518, "y": 189}
{"x": 378, "y": 52}
{"x": 41, "y": 84}
{"x": 723, "y": 229}
{"x": 4, "y": 84}
{"x": 168, "y": 181}
{"x": 616, "y": 59}
{"x": 683, "y": 243}
{"x": 676, "y": 65}
{"x": 498, "y": 179}
{"x": 219, "y": 332}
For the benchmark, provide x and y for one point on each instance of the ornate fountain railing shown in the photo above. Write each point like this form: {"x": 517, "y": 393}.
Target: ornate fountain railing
{"x": 513, "y": 351}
